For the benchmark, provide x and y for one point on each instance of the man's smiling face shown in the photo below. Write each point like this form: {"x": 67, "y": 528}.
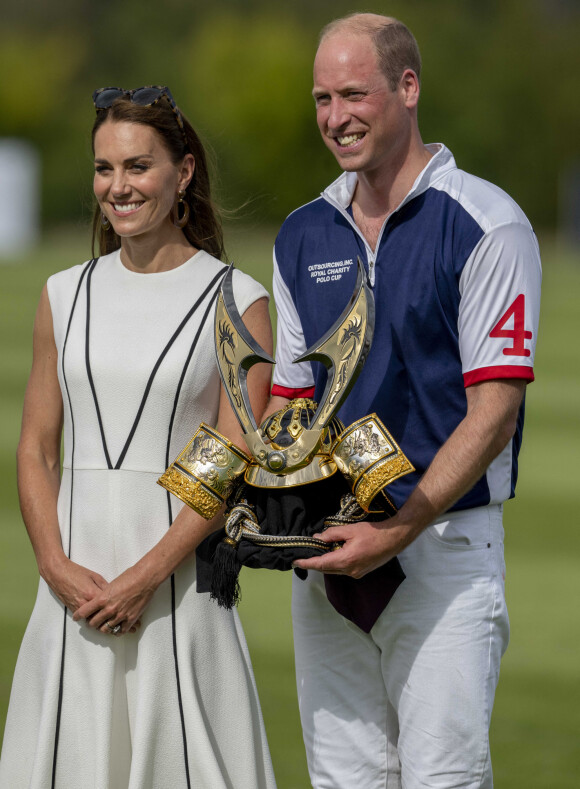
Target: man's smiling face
{"x": 361, "y": 119}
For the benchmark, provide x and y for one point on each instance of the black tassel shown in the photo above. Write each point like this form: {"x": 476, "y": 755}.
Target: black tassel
{"x": 225, "y": 585}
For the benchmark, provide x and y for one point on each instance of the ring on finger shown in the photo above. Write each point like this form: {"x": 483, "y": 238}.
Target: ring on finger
{"x": 112, "y": 629}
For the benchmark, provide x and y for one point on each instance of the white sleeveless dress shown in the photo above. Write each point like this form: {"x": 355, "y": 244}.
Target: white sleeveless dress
{"x": 173, "y": 706}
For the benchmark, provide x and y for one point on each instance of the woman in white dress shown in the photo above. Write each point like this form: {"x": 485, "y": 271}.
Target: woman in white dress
{"x": 127, "y": 677}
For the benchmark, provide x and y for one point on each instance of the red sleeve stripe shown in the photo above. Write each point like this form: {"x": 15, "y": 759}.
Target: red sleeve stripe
{"x": 504, "y": 371}
{"x": 292, "y": 394}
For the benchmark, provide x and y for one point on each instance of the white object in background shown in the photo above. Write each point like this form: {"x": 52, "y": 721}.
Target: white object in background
{"x": 19, "y": 197}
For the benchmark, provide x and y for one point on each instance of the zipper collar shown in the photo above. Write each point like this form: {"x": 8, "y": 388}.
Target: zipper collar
{"x": 340, "y": 193}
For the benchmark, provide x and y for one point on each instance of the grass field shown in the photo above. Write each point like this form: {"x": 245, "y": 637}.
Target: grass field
{"x": 536, "y": 723}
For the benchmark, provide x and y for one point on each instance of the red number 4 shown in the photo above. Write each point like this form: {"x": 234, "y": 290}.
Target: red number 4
{"x": 518, "y": 334}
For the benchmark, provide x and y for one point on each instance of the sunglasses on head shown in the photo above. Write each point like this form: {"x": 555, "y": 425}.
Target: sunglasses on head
{"x": 103, "y": 98}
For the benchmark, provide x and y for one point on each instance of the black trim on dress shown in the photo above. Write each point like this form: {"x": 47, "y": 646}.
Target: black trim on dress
{"x": 61, "y": 678}
{"x": 88, "y": 366}
{"x": 218, "y": 276}
{"x": 149, "y": 384}
{"x": 169, "y": 432}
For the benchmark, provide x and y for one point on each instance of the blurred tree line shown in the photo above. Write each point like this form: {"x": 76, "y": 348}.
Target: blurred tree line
{"x": 499, "y": 87}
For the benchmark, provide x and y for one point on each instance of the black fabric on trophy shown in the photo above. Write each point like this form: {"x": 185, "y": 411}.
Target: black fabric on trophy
{"x": 302, "y": 511}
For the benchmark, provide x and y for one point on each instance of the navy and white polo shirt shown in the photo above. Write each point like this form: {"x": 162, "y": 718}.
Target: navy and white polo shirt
{"x": 456, "y": 279}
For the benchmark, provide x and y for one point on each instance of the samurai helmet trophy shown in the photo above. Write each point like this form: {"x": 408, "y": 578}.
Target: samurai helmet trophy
{"x": 268, "y": 524}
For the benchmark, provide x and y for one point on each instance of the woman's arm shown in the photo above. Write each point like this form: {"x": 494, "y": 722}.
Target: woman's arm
{"x": 38, "y": 459}
{"x": 125, "y": 598}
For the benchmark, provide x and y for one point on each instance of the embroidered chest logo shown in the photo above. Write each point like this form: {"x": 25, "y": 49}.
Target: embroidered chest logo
{"x": 329, "y": 272}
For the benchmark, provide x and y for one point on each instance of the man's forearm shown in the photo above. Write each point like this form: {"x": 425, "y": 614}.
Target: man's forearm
{"x": 275, "y": 403}
{"x": 462, "y": 460}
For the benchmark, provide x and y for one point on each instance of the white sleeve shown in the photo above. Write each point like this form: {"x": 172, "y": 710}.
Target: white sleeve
{"x": 246, "y": 290}
{"x": 290, "y": 342}
{"x": 500, "y": 305}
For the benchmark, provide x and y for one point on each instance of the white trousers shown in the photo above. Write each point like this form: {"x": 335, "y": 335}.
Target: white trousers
{"x": 409, "y": 704}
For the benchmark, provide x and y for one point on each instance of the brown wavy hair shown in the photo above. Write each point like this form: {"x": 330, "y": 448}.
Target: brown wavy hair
{"x": 204, "y": 228}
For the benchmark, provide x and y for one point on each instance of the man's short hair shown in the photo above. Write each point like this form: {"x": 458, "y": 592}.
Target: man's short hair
{"x": 395, "y": 45}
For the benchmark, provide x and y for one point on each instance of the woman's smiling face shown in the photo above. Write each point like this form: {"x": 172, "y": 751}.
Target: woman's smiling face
{"x": 136, "y": 182}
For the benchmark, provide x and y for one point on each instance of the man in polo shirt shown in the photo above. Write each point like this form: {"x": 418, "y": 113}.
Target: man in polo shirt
{"x": 455, "y": 270}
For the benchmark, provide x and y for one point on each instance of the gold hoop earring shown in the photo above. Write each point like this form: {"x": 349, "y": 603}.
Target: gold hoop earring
{"x": 105, "y": 222}
{"x": 180, "y": 221}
